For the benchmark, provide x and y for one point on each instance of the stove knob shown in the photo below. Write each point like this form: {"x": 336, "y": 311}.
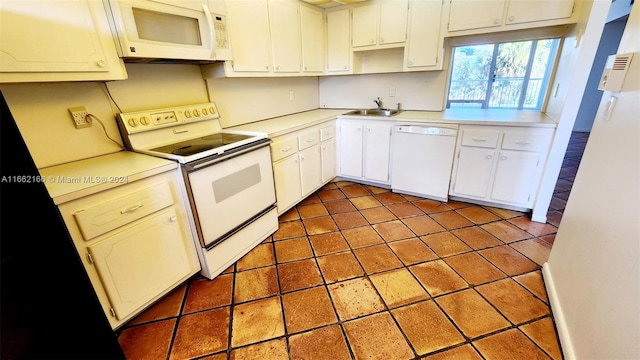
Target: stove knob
{"x": 187, "y": 114}
{"x": 133, "y": 122}
{"x": 205, "y": 112}
{"x": 212, "y": 110}
{"x": 196, "y": 113}
{"x": 144, "y": 120}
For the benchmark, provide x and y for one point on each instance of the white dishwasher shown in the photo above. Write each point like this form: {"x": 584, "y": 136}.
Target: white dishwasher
{"x": 422, "y": 159}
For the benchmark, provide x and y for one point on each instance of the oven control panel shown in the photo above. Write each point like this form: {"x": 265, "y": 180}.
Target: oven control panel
{"x": 140, "y": 121}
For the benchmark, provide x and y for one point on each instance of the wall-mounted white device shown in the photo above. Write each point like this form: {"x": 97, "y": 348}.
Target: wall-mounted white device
{"x": 615, "y": 71}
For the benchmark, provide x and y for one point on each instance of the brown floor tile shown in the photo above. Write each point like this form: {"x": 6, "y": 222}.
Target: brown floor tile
{"x": 208, "y": 294}
{"x": 256, "y": 321}
{"x": 255, "y": 284}
{"x": 289, "y": 229}
{"x": 508, "y": 260}
{"x": 554, "y": 218}
{"x": 218, "y": 356}
{"x": 532, "y": 227}
{"x": 167, "y": 307}
{"x": 405, "y": 210}
{"x": 343, "y": 183}
{"x": 505, "y": 231}
{"x": 513, "y": 301}
{"x": 431, "y": 206}
{"x": 326, "y": 343}
{"x": 328, "y": 243}
{"x": 319, "y": 225}
{"x": 298, "y": 275}
{"x": 376, "y": 189}
{"x": 289, "y": 215}
{"x": 398, "y": 287}
{"x": 393, "y": 230}
{"x": 293, "y": 249}
{"x": 474, "y": 269}
{"x": 377, "y": 258}
{"x": 423, "y": 225}
{"x": 312, "y": 210}
{"x": 377, "y": 214}
{"x": 471, "y": 313}
{"x": 534, "y": 283}
{"x": 362, "y": 236}
{"x": 331, "y": 194}
{"x": 458, "y": 204}
{"x": 365, "y": 202}
{"x": 201, "y": 334}
{"x": 311, "y": 199}
{"x": 444, "y": 244}
{"x": 464, "y": 352}
{"x": 390, "y": 198}
{"x": 349, "y": 220}
{"x": 377, "y": 337}
{"x": 543, "y": 333}
{"x": 438, "y": 278}
{"x": 549, "y": 239}
{"x": 477, "y": 215}
{"x": 535, "y": 249}
{"x": 340, "y": 266}
{"x": 427, "y": 327}
{"x": 339, "y": 206}
{"x": 476, "y": 237}
{"x": 504, "y": 213}
{"x": 355, "y": 298}
{"x": 308, "y": 309}
{"x": 261, "y": 255}
{"x": 451, "y": 220}
{"x": 412, "y": 251}
{"x": 355, "y": 190}
{"x": 149, "y": 341}
{"x": 510, "y": 344}
{"x": 272, "y": 350}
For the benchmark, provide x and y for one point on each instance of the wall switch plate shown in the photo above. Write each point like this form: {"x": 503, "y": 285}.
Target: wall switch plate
{"x": 80, "y": 118}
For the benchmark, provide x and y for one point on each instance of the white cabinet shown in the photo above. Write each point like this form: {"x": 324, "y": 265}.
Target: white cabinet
{"x": 475, "y": 14}
{"x": 365, "y": 149}
{"x": 523, "y": 11}
{"x": 58, "y": 41}
{"x": 312, "y": 39}
{"x": 338, "y": 41}
{"x": 424, "y": 42}
{"x": 249, "y": 36}
{"x": 303, "y": 161}
{"x": 284, "y": 24}
{"x": 500, "y": 165}
{"x": 135, "y": 242}
{"x": 380, "y": 23}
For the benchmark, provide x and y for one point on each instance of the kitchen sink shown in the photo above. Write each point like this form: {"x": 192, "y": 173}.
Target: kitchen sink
{"x": 373, "y": 112}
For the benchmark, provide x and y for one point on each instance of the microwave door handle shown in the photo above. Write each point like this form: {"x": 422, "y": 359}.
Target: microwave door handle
{"x": 212, "y": 37}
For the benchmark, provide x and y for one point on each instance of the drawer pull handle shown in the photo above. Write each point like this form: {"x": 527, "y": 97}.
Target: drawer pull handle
{"x": 523, "y": 142}
{"x": 479, "y": 139}
{"x": 310, "y": 140}
{"x": 131, "y": 209}
{"x": 286, "y": 149}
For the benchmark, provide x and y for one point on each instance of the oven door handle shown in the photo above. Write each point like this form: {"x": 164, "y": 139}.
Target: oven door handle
{"x": 199, "y": 164}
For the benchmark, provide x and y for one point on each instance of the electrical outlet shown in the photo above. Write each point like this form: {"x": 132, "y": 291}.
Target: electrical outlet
{"x": 80, "y": 118}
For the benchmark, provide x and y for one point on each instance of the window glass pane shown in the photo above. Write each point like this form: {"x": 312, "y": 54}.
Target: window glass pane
{"x": 511, "y": 67}
{"x": 539, "y": 73}
{"x": 470, "y": 73}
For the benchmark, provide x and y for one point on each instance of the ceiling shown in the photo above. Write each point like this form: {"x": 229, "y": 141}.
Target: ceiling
{"x": 331, "y": 3}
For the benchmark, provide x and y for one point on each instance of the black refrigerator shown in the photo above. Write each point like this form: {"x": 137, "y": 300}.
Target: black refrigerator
{"x": 48, "y": 307}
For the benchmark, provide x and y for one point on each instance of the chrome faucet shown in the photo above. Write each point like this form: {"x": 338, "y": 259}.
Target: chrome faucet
{"x": 378, "y": 102}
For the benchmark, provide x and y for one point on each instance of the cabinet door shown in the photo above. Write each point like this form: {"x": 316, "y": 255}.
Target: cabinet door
{"x": 131, "y": 280}
{"x": 310, "y": 169}
{"x": 338, "y": 41}
{"x": 475, "y": 14}
{"x": 328, "y": 156}
{"x": 515, "y": 175}
{"x": 473, "y": 172}
{"x": 284, "y": 23}
{"x": 365, "y": 25}
{"x": 522, "y": 11}
{"x": 286, "y": 174}
{"x": 393, "y": 21}
{"x": 249, "y": 35}
{"x": 423, "y": 44}
{"x": 377, "y": 152}
{"x": 311, "y": 31}
{"x": 350, "y": 143}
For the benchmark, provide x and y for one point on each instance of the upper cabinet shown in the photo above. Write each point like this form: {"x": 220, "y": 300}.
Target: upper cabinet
{"x": 66, "y": 40}
{"x": 380, "y": 23}
{"x": 249, "y": 36}
{"x": 424, "y": 50}
{"x": 312, "y": 39}
{"x": 338, "y": 42}
{"x": 284, "y": 24}
{"x": 480, "y": 16}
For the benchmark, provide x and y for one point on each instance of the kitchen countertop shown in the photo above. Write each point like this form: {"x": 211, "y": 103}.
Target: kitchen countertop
{"x": 289, "y": 123}
{"x": 81, "y": 178}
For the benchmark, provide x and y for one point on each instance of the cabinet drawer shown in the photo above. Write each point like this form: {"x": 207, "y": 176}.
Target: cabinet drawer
{"x": 480, "y": 138}
{"x": 308, "y": 139}
{"x": 327, "y": 132}
{"x": 283, "y": 147}
{"x": 104, "y": 217}
{"x": 524, "y": 141}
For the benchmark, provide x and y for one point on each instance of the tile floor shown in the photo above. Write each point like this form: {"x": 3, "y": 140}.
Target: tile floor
{"x": 359, "y": 272}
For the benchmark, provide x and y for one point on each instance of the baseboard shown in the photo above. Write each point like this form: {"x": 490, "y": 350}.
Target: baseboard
{"x": 558, "y": 315}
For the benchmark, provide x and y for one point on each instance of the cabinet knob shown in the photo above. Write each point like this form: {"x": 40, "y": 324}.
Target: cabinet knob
{"x": 410, "y": 62}
{"x": 173, "y": 218}
{"x": 344, "y": 67}
{"x": 381, "y": 40}
{"x": 371, "y": 41}
{"x": 489, "y": 156}
{"x": 511, "y": 18}
{"x": 496, "y": 21}
{"x": 503, "y": 158}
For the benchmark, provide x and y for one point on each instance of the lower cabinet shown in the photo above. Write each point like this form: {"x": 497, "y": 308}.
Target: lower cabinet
{"x": 500, "y": 165}
{"x": 365, "y": 150}
{"x": 135, "y": 243}
{"x": 303, "y": 161}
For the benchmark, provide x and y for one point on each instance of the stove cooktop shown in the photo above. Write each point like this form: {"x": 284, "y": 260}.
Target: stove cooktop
{"x": 198, "y": 145}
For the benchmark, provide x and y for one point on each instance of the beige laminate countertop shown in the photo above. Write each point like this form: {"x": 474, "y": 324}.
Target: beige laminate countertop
{"x": 81, "y": 178}
{"x": 289, "y": 123}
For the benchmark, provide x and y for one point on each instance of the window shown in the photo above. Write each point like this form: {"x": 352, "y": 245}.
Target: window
{"x": 512, "y": 75}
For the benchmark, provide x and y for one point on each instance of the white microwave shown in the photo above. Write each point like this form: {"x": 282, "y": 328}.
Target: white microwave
{"x": 170, "y": 29}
